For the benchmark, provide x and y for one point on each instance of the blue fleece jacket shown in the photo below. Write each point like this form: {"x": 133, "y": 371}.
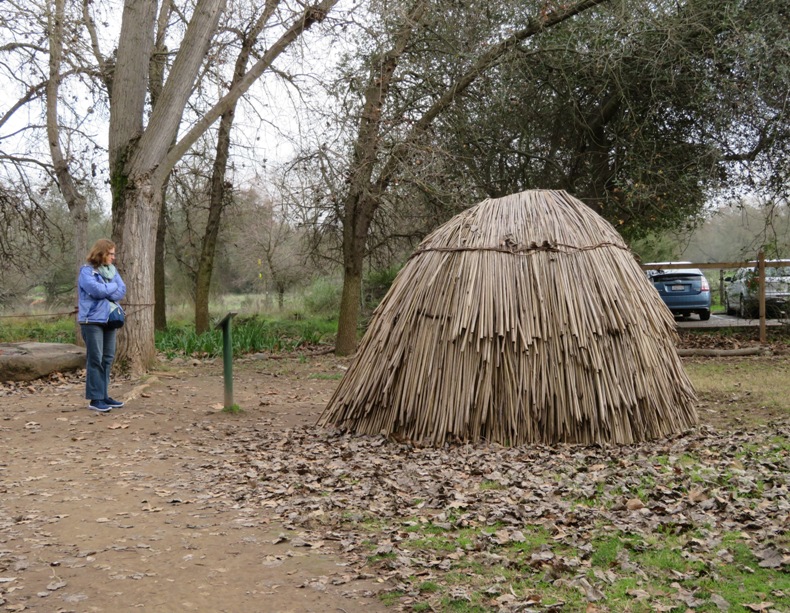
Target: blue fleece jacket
{"x": 94, "y": 291}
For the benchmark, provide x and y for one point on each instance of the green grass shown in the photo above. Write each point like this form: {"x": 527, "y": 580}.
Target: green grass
{"x": 390, "y": 598}
{"x": 249, "y": 335}
{"x": 663, "y": 561}
{"x": 491, "y": 485}
{"x": 17, "y": 329}
{"x": 429, "y": 587}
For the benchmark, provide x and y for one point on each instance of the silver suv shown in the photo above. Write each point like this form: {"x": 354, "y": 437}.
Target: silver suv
{"x": 741, "y": 295}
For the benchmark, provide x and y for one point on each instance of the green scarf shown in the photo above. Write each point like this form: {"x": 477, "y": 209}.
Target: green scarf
{"x": 107, "y": 271}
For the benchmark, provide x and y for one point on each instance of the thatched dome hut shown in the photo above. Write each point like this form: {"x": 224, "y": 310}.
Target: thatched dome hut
{"x": 525, "y": 319}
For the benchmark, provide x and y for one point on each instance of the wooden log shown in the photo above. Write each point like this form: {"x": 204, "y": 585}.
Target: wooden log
{"x": 723, "y": 352}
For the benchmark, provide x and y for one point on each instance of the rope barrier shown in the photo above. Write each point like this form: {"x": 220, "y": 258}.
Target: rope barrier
{"x": 41, "y": 315}
{"x": 74, "y": 311}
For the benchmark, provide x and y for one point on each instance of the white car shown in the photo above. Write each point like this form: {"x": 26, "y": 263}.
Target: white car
{"x": 741, "y": 295}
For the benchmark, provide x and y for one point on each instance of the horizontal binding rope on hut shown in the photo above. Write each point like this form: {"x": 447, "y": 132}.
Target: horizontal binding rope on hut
{"x": 474, "y": 342}
{"x": 534, "y": 247}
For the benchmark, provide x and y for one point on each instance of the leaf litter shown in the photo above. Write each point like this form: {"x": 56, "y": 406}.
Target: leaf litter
{"x": 383, "y": 502}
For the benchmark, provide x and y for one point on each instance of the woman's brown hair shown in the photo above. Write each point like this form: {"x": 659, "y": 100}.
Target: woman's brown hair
{"x": 99, "y": 250}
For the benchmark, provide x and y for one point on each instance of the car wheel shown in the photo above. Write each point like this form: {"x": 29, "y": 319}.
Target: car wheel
{"x": 704, "y": 315}
{"x": 743, "y": 311}
{"x": 730, "y": 309}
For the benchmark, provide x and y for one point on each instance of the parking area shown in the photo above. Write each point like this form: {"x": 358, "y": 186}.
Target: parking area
{"x": 721, "y": 320}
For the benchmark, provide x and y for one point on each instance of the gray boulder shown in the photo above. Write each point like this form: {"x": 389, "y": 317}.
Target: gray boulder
{"x": 28, "y": 361}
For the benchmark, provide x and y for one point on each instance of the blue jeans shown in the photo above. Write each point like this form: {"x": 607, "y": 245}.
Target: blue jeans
{"x": 100, "y": 352}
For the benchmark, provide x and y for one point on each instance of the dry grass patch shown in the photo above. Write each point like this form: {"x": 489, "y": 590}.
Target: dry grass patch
{"x": 738, "y": 392}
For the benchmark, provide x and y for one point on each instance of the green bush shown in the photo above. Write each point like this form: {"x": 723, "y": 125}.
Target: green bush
{"x": 323, "y": 298}
{"x": 249, "y": 335}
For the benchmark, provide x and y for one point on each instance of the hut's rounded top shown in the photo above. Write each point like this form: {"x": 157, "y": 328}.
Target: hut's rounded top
{"x": 527, "y": 221}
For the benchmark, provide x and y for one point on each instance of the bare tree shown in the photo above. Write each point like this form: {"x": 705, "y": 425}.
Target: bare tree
{"x": 219, "y": 186}
{"x": 75, "y": 200}
{"x": 46, "y": 120}
{"x": 266, "y": 232}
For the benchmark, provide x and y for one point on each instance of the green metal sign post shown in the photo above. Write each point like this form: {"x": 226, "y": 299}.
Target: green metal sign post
{"x": 227, "y": 357}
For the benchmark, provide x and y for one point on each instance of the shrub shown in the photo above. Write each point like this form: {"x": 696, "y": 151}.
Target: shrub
{"x": 323, "y": 298}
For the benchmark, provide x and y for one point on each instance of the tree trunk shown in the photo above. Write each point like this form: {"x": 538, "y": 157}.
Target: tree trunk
{"x": 203, "y": 286}
{"x": 79, "y": 217}
{"x": 216, "y": 206}
{"x": 281, "y": 297}
{"x": 160, "y": 306}
{"x": 157, "y": 67}
{"x": 355, "y": 232}
{"x": 136, "y": 349}
{"x": 346, "y": 343}
{"x": 361, "y": 203}
{"x": 137, "y": 159}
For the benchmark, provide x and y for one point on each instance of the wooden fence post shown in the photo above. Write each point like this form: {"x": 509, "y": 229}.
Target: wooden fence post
{"x": 761, "y": 271}
{"x": 721, "y": 287}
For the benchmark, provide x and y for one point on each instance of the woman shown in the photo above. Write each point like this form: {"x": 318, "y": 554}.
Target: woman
{"x": 99, "y": 283}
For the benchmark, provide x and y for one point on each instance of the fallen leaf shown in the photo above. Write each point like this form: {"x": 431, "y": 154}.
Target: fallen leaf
{"x": 634, "y": 504}
{"x": 770, "y": 558}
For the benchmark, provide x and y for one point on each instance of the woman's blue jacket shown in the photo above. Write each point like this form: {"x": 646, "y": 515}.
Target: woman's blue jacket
{"x": 94, "y": 292}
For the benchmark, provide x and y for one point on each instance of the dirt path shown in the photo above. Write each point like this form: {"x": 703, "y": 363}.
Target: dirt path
{"x": 117, "y": 512}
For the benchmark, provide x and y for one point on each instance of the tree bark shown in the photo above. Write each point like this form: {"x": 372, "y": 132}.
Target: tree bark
{"x": 356, "y": 225}
{"x": 160, "y": 294}
{"x": 216, "y": 206}
{"x": 136, "y": 350}
{"x": 156, "y": 82}
{"x": 349, "y": 310}
{"x": 127, "y": 102}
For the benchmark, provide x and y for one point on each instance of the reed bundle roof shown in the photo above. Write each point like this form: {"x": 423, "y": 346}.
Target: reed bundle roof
{"x": 525, "y": 319}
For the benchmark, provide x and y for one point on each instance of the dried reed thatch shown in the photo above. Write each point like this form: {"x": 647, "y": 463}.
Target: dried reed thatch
{"x": 525, "y": 319}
